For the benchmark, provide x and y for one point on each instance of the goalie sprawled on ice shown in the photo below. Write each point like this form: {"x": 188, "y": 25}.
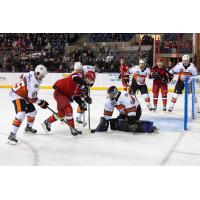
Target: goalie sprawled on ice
{"x": 129, "y": 114}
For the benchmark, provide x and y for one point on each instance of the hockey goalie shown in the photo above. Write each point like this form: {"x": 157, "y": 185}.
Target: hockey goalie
{"x": 129, "y": 114}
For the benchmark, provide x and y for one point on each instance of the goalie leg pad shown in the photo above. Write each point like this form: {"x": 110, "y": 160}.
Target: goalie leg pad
{"x": 145, "y": 127}
{"x": 114, "y": 124}
{"x": 103, "y": 125}
{"x": 124, "y": 125}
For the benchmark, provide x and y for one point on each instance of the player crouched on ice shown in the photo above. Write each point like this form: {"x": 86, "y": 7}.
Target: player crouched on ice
{"x": 183, "y": 69}
{"x": 140, "y": 72}
{"x": 88, "y": 72}
{"x": 129, "y": 114}
{"x": 23, "y": 95}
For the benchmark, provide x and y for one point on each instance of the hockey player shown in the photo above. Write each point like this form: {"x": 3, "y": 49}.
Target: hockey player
{"x": 129, "y": 113}
{"x": 183, "y": 69}
{"x": 23, "y": 95}
{"x": 87, "y": 71}
{"x": 160, "y": 78}
{"x": 65, "y": 91}
{"x": 124, "y": 71}
{"x": 140, "y": 72}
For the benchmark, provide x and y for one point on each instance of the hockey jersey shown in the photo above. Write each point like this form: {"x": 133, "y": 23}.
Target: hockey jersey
{"x": 27, "y": 88}
{"x": 67, "y": 86}
{"x": 126, "y": 104}
{"x": 184, "y": 72}
{"x": 139, "y": 75}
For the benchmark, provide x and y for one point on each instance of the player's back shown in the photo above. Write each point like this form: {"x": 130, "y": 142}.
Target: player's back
{"x": 27, "y": 87}
{"x": 67, "y": 85}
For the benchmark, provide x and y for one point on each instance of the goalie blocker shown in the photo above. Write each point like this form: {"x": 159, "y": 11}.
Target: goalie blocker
{"x": 129, "y": 114}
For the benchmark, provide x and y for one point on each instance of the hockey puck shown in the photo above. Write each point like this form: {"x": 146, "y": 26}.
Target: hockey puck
{"x": 92, "y": 130}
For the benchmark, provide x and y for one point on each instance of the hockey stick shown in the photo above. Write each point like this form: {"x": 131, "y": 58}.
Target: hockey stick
{"x": 140, "y": 56}
{"x": 89, "y": 111}
{"x": 78, "y": 132}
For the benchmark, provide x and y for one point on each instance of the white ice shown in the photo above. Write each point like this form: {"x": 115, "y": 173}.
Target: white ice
{"x": 172, "y": 146}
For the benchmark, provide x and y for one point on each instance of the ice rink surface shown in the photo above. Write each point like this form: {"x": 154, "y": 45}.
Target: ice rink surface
{"x": 172, "y": 146}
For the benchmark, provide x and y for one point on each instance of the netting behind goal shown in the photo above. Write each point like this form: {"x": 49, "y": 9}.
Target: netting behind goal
{"x": 192, "y": 100}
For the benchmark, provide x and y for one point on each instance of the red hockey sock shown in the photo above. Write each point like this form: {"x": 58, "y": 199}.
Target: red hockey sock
{"x": 164, "y": 99}
{"x": 155, "y": 101}
{"x": 52, "y": 119}
{"x": 71, "y": 123}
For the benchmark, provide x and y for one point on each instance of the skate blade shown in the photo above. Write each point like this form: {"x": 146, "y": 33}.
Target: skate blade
{"x": 44, "y": 127}
{"x": 11, "y": 142}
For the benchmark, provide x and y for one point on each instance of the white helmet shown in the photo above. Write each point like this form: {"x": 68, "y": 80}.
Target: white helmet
{"x": 141, "y": 61}
{"x": 77, "y": 66}
{"x": 185, "y": 58}
{"x": 40, "y": 71}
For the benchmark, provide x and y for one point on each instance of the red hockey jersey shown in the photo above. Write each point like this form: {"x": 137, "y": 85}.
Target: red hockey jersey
{"x": 162, "y": 75}
{"x": 68, "y": 86}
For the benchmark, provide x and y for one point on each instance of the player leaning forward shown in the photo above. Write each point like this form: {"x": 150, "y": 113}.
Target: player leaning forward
{"x": 73, "y": 87}
{"x": 129, "y": 114}
{"x": 89, "y": 72}
{"x": 183, "y": 69}
{"x": 24, "y": 96}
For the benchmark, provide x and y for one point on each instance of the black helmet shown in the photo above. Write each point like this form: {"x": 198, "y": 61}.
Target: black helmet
{"x": 112, "y": 92}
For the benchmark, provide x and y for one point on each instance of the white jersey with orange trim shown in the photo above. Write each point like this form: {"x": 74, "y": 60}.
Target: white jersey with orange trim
{"x": 184, "y": 72}
{"x": 27, "y": 88}
{"x": 139, "y": 75}
{"x": 126, "y": 104}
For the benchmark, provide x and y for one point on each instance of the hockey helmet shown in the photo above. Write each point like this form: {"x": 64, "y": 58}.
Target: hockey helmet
{"x": 186, "y": 60}
{"x": 90, "y": 77}
{"x": 112, "y": 92}
{"x": 40, "y": 72}
{"x": 77, "y": 66}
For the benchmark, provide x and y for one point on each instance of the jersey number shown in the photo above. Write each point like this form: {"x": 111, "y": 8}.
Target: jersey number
{"x": 18, "y": 85}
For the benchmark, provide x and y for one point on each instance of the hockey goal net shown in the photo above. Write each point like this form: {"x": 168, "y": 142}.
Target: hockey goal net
{"x": 191, "y": 101}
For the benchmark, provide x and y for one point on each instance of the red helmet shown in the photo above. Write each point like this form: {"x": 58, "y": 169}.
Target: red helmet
{"x": 90, "y": 75}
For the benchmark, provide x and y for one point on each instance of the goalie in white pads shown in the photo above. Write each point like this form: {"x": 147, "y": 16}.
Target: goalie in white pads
{"x": 23, "y": 95}
{"x": 183, "y": 69}
{"x": 140, "y": 73}
{"x": 129, "y": 114}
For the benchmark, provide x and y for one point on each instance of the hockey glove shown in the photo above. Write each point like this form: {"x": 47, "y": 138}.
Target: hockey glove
{"x": 43, "y": 104}
{"x": 165, "y": 80}
{"x": 83, "y": 106}
{"x": 88, "y": 100}
{"x": 85, "y": 89}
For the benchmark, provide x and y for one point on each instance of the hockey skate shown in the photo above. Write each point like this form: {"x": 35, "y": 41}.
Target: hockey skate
{"x": 46, "y": 126}
{"x": 154, "y": 108}
{"x": 80, "y": 122}
{"x": 164, "y": 108}
{"x": 170, "y": 109}
{"x": 149, "y": 107}
{"x": 75, "y": 132}
{"x": 12, "y": 139}
{"x": 29, "y": 129}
